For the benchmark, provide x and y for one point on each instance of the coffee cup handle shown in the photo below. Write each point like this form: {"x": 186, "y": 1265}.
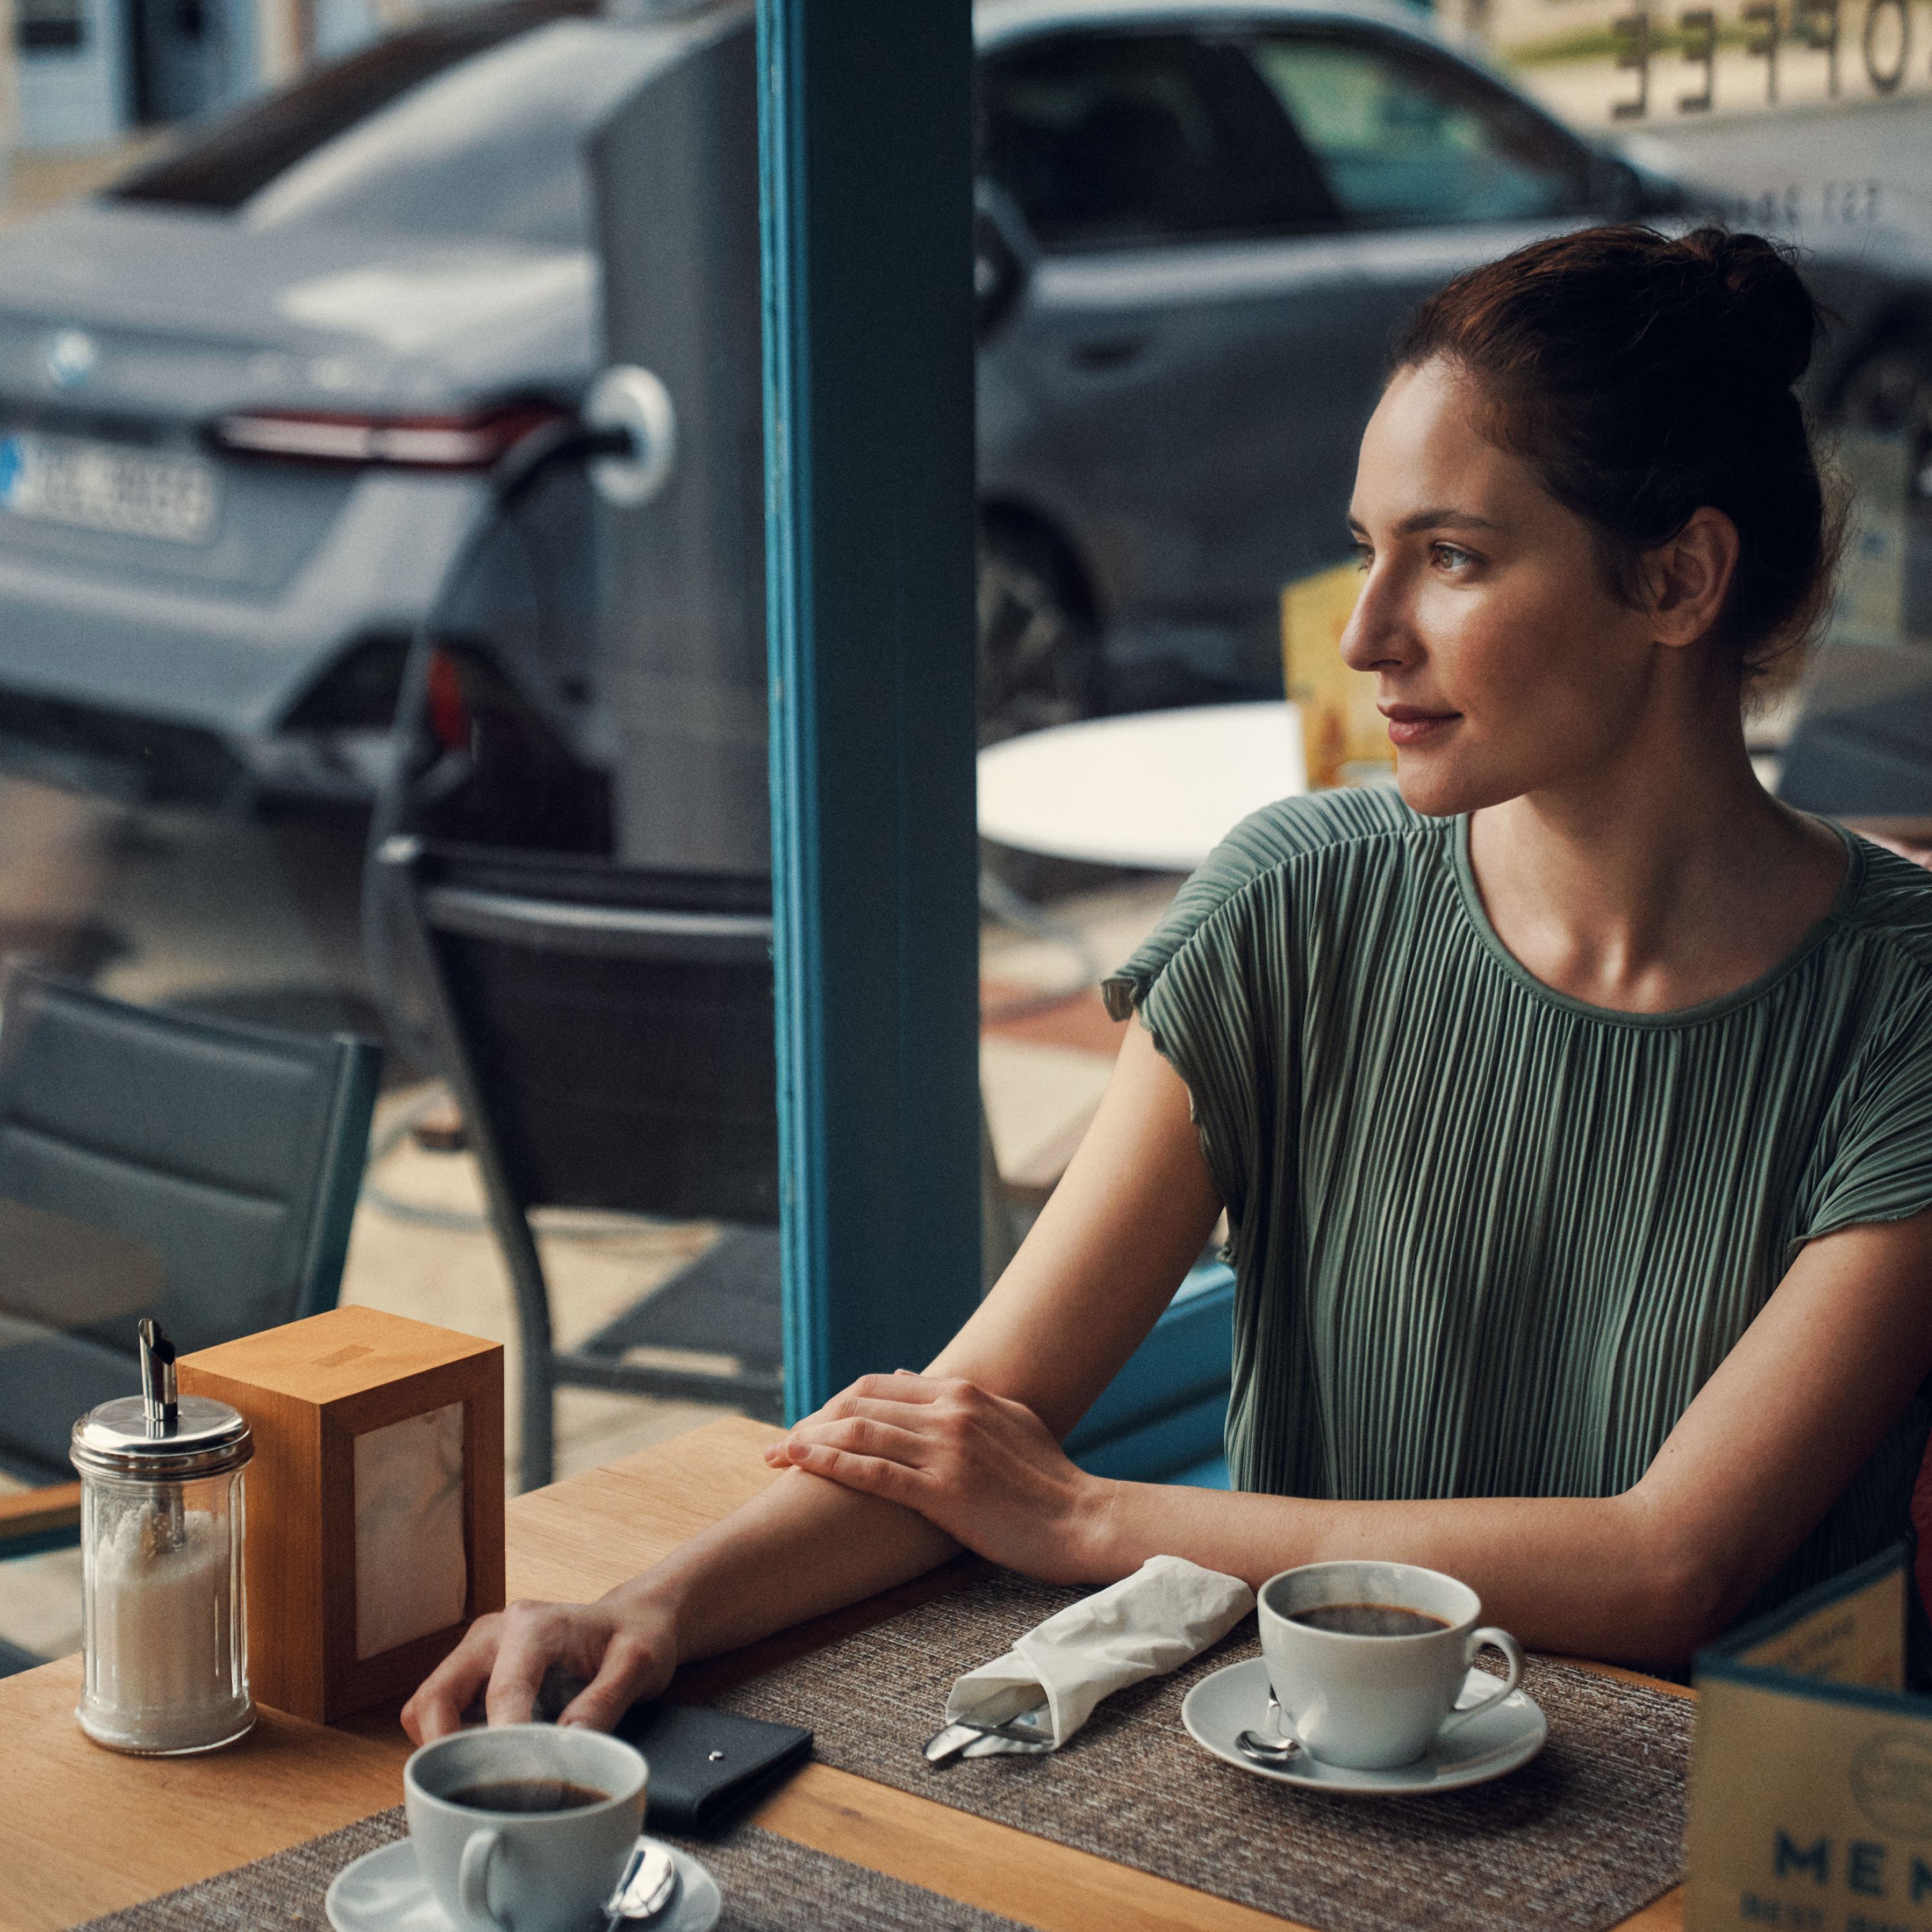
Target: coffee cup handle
{"x": 1488, "y": 1637}
{"x": 472, "y": 1876}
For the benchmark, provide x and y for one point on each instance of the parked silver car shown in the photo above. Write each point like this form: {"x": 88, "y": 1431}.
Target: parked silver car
{"x": 247, "y": 395}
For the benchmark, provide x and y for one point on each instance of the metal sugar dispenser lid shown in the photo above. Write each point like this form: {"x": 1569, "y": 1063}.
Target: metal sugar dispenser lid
{"x": 158, "y": 1437}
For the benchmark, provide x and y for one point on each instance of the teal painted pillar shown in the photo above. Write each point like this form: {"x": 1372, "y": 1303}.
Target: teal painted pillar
{"x": 865, "y": 135}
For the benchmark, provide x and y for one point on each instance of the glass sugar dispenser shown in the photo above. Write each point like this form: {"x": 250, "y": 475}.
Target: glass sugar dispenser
{"x": 164, "y": 1627}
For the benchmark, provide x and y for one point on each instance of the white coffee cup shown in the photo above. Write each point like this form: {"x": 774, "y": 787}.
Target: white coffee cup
{"x": 508, "y": 1871}
{"x": 1373, "y": 1702}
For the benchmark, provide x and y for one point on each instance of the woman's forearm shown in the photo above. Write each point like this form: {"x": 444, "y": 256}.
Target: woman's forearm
{"x": 799, "y": 1549}
{"x": 1589, "y": 1576}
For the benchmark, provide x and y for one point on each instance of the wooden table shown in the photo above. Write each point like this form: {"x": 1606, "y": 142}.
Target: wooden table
{"x": 84, "y": 1831}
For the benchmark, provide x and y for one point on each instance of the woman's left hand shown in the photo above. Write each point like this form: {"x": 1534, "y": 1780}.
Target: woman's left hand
{"x": 986, "y": 1470}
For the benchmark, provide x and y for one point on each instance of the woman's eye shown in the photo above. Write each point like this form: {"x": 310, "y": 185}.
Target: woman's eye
{"x": 1364, "y": 556}
{"x": 1449, "y": 557}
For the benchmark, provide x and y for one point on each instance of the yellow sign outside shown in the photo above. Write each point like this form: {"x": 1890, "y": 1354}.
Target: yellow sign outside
{"x": 1811, "y": 1776}
{"x": 1344, "y": 737}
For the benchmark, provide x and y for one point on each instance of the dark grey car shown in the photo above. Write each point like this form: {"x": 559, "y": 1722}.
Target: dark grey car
{"x": 249, "y": 395}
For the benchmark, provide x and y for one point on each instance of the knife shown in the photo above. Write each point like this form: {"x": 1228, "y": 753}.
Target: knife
{"x": 1032, "y": 1729}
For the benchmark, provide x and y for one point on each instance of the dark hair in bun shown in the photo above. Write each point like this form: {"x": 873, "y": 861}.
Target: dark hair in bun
{"x": 1643, "y": 378}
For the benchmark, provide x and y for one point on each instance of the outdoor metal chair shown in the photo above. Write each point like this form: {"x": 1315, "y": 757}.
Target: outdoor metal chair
{"x": 152, "y": 1163}
{"x": 607, "y": 1034}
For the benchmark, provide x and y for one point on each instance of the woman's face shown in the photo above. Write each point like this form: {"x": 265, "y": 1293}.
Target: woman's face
{"x": 1505, "y": 663}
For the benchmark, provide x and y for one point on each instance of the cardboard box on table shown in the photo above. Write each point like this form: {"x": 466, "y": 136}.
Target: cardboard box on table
{"x": 374, "y": 1503}
{"x": 1811, "y": 1773}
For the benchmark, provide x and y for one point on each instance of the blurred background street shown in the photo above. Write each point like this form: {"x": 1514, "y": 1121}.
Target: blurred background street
{"x": 236, "y": 495}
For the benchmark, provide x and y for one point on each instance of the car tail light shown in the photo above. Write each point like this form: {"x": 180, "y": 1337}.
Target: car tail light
{"x": 471, "y": 442}
{"x": 448, "y": 709}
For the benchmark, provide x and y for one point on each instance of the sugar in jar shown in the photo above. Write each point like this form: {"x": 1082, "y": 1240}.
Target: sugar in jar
{"x": 164, "y": 1627}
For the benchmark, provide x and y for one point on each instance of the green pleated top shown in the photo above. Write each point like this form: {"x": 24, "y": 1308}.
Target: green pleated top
{"x": 1489, "y": 1239}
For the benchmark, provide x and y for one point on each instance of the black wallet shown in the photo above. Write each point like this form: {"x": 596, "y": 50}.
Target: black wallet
{"x": 706, "y": 1765}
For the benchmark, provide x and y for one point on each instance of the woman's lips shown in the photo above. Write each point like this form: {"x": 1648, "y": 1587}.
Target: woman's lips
{"x": 1410, "y": 726}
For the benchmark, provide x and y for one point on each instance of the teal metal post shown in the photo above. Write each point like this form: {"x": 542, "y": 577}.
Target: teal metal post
{"x": 865, "y": 135}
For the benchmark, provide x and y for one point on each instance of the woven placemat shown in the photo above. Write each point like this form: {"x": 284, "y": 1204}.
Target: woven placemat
{"x": 1582, "y": 1836}
{"x": 769, "y": 1884}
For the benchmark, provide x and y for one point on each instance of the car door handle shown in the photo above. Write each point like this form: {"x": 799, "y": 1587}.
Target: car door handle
{"x": 1100, "y": 353}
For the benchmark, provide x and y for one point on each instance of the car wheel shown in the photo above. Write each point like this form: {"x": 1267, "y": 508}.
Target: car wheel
{"x": 1890, "y": 391}
{"x": 1039, "y": 649}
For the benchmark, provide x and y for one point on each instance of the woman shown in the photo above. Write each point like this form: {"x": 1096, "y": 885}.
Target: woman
{"x": 1572, "y": 1111}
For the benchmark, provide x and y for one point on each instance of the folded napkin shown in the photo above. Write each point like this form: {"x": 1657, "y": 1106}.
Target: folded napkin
{"x": 1168, "y": 1610}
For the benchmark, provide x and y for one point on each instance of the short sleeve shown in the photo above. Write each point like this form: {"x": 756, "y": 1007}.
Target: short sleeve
{"x": 1215, "y": 982}
{"x": 1876, "y": 1164}
{"x": 1193, "y": 984}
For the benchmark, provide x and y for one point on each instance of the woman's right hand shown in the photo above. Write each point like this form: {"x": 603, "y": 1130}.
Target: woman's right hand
{"x": 623, "y": 1648}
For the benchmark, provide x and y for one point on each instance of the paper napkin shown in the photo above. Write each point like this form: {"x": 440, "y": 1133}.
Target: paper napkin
{"x": 1167, "y": 1611}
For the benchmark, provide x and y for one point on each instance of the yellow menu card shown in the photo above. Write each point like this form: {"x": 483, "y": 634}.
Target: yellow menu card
{"x": 1811, "y": 1772}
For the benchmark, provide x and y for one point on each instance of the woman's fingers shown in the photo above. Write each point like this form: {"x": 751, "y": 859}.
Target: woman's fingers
{"x": 864, "y": 1435}
{"x": 889, "y": 1396}
{"x": 626, "y": 1650}
{"x": 902, "y": 1385}
{"x": 442, "y": 1698}
{"x": 533, "y": 1640}
{"x": 630, "y": 1670}
{"x": 871, "y": 1475}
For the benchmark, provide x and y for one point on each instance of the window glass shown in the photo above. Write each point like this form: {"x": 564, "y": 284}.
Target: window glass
{"x": 226, "y": 165}
{"x": 471, "y": 128}
{"x": 1406, "y": 138}
{"x": 1109, "y": 138}
{"x": 491, "y": 147}
{"x": 267, "y": 375}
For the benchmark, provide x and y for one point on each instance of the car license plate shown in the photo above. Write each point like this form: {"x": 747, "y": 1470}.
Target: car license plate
{"x": 106, "y": 486}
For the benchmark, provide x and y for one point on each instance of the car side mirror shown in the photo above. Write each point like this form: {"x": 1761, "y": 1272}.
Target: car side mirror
{"x": 1002, "y": 256}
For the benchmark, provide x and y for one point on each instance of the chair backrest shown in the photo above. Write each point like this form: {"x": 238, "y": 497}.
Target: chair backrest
{"x": 154, "y": 1163}
{"x": 608, "y": 1031}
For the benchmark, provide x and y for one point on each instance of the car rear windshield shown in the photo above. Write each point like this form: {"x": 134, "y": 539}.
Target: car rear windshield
{"x": 234, "y": 161}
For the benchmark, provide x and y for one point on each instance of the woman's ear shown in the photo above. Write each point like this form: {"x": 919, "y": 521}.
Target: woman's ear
{"x": 1689, "y": 578}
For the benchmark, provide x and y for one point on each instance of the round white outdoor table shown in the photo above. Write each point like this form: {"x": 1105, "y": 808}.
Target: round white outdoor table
{"x": 1159, "y": 790}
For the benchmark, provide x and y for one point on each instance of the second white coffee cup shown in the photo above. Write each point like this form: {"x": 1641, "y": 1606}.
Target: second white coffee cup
{"x": 495, "y": 1866}
{"x": 1372, "y": 1692}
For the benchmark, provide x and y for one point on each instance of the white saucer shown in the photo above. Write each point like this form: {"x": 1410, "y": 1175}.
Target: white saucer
{"x": 383, "y": 1892}
{"x": 1235, "y": 1698}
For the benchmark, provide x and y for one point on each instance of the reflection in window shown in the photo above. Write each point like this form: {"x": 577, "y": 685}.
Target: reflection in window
{"x": 472, "y": 126}
{"x": 492, "y": 148}
{"x": 1106, "y": 139}
{"x": 1414, "y": 141}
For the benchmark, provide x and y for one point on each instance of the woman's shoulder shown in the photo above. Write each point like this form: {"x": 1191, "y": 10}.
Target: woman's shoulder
{"x": 1884, "y": 933}
{"x": 1891, "y": 912}
{"x": 1315, "y": 822}
{"x": 1369, "y": 827}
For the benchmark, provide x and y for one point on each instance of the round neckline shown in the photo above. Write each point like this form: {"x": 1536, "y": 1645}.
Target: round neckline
{"x": 1477, "y": 915}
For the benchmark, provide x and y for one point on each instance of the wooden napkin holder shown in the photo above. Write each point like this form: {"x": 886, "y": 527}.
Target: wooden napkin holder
{"x": 312, "y": 1391}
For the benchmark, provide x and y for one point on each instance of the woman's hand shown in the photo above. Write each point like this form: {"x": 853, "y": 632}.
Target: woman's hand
{"x": 986, "y": 1470}
{"x": 625, "y": 1650}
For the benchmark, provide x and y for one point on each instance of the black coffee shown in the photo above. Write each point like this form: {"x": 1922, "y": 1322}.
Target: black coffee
{"x": 528, "y": 1794}
{"x": 1368, "y": 1620}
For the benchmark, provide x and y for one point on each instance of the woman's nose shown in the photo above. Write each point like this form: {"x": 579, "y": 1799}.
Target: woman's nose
{"x": 1377, "y": 633}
